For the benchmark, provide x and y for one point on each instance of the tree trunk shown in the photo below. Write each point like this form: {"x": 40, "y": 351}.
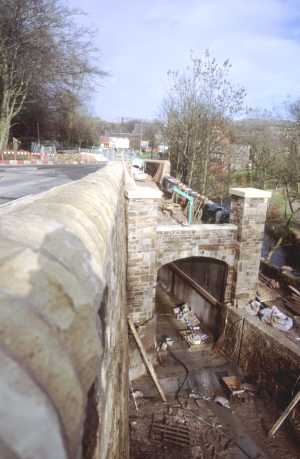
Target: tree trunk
{"x": 205, "y": 167}
{"x": 278, "y": 244}
{"x": 191, "y": 175}
{"x": 4, "y": 132}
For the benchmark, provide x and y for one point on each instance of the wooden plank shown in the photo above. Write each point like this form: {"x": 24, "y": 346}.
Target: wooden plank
{"x": 295, "y": 308}
{"x": 146, "y": 360}
{"x": 294, "y": 290}
{"x": 232, "y": 382}
{"x": 284, "y": 415}
{"x": 211, "y": 299}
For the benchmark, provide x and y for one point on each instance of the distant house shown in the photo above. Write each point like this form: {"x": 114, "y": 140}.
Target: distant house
{"x": 145, "y": 145}
{"x": 105, "y": 143}
{"x": 229, "y": 156}
{"x": 163, "y": 148}
{"x": 114, "y": 143}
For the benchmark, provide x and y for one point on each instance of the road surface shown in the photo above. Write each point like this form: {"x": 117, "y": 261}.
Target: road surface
{"x": 19, "y": 181}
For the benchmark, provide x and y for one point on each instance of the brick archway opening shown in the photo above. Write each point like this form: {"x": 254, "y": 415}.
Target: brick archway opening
{"x": 199, "y": 282}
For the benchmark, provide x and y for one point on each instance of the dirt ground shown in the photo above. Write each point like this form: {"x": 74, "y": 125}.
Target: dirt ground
{"x": 192, "y": 424}
{"x": 207, "y": 434}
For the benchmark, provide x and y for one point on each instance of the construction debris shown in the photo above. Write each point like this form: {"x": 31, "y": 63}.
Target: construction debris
{"x": 233, "y": 384}
{"x": 277, "y": 319}
{"x": 138, "y": 394}
{"x": 210, "y": 411}
{"x": 193, "y": 335}
{"x": 222, "y": 401}
{"x": 254, "y": 307}
{"x": 270, "y": 315}
{"x": 250, "y": 388}
{"x": 164, "y": 342}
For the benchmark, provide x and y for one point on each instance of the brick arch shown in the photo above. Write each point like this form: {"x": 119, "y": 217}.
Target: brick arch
{"x": 211, "y": 241}
{"x": 208, "y": 268}
{"x": 222, "y": 255}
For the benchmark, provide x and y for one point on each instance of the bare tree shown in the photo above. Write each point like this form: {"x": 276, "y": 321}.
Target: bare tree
{"x": 197, "y": 110}
{"x": 40, "y": 46}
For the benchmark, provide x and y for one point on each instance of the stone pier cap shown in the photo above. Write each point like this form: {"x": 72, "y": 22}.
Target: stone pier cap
{"x": 250, "y": 193}
{"x": 140, "y": 192}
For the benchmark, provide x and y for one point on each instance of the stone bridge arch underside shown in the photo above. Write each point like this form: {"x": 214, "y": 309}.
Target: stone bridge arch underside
{"x": 201, "y": 282}
{"x": 200, "y": 242}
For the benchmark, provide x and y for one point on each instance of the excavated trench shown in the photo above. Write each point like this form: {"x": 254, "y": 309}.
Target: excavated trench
{"x": 202, "y": 418}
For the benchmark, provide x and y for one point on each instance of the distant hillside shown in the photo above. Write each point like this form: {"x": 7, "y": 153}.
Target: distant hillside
{"x": 246, "y": 130}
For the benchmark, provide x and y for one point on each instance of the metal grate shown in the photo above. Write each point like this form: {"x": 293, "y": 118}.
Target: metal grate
{"x": 175, "y": 434}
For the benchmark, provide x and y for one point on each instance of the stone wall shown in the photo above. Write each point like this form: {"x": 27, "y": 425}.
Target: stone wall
{"x": 142, "y": 216}
{"x": 266, "y": 355}
{"x": 248, "y": 212}
{"x": 63, "y": 331}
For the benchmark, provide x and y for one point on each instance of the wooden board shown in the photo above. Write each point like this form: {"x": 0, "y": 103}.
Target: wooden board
{"x": 292, "y": 306}
{"x": 284, "y": 415}
{"x": 147, "y": 362}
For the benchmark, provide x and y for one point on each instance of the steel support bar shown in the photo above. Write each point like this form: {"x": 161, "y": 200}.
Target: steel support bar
{"x": 190, "y": 200}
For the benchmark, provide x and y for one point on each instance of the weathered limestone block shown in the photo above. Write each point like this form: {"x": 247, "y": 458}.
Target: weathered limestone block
{"x": 26, "y": 408}
{"x": 63, "y": 317}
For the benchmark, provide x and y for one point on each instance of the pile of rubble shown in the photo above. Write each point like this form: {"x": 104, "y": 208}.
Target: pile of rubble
{"x": 192, "y": 333}
{"x": 270, "y": 315}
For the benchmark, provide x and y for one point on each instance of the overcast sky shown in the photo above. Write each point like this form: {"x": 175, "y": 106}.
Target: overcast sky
{"x": 141, "y": 40}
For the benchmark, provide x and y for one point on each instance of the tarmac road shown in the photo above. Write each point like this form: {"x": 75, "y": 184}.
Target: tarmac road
{"x": 19, "y": 181}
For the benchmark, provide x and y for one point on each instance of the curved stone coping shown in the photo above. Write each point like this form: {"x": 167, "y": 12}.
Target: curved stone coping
{"x": 54, "y": 249}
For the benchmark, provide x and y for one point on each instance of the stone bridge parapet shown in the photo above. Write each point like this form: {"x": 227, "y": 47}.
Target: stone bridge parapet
{"x": 63, "y": 330}
{"x": 71, "y": 260}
